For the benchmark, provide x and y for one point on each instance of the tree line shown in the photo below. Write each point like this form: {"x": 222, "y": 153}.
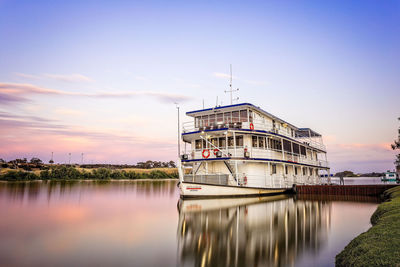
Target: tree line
{"x": 36, "y": 163}
{"x": 61, "y": 172}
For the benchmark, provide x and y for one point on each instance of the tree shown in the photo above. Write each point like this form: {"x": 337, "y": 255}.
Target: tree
{"x": 2, "y": 161}
{"x": 172, "y": 164}
{"x": 24, "y": 160}
{"x": 36, "y": 161}
{"x": 396, "y": 145}
{"x": 345, "y": 174}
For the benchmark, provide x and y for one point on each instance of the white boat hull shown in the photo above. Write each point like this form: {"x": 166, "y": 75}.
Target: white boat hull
{"x": 211, "y": 204}
{"x": 191, "y": 190}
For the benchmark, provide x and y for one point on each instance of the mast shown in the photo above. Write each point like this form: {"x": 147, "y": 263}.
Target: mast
{"x": 231, "y": 90}
{"x": 230, "y": 85}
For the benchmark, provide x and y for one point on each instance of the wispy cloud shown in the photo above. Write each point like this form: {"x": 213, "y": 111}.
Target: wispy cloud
{"x": 15, "y": 92}
{"x": 6, "y": 115}
{"x": 69, "y": 78}
{"x": 8, "y": 99}
{"x": 28, "y": 76}
{"x": 59, "y": 77}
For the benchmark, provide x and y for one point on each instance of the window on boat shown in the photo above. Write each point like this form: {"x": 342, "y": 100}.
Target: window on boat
{"x": 235, "y": 116}
{"x": 303, "y": 150}
{"x": 197, "y": 121}
{"x": 304, "y": 171}
{"x": 311, "y": 171}
{"x": 198, "y": 144}
{"x": 204, "y": 120}
{"x": 243, "y": 115}
{"x": 273, "y": 169}
{"x": 275, "y": 144}
{"x": 261, "y": 141}
{"x": 220, "y": 117}
{"x": 228, "y": 117}
{"x": 230, "y": 141}
{"x": 295, "y": 170}
{"x": 296, "y": 149}
{"x": 286, "y": 169}
{"x": 212, "y": 119}
{"x": 254, "y": 141}
{"x": 239, "y": 141}
{"x": 222, "y": 142}
{"x": 287, "y": 146}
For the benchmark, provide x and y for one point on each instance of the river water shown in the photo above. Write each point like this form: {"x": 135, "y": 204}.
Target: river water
{"x": 143, "y": 223}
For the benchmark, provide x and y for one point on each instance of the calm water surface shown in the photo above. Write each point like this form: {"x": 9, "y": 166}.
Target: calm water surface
{"x": 143, "y": 223}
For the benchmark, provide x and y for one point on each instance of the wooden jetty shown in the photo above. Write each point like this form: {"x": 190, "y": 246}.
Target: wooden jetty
{"x": 355, "y": 190}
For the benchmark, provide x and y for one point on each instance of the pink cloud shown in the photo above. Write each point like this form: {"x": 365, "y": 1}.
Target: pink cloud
{"x": 11, "y": 92}
{"x": 35, "y": 136}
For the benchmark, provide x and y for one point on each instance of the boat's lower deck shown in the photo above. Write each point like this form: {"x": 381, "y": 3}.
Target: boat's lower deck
{"x": 203, "y": 190}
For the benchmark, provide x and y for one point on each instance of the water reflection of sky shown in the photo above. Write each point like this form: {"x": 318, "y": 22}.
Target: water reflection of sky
{"x": 139, "y": 223}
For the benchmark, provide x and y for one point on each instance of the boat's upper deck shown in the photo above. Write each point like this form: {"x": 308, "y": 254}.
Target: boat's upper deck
{"x": 249, "y": 117}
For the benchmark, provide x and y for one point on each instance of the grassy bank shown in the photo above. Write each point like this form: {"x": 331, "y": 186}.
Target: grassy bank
{"x": 380, "y": 245}
{"x": 72, "y": 173}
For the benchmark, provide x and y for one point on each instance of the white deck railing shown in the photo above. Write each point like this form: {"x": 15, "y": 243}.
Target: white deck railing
{"x": 258, "y": 154}
{"x": 276, "y": 180}
{"x": 261, "y": 181}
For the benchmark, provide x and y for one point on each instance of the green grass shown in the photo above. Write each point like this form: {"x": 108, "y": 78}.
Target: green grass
{"x": 71, "y": 173}
{"x": 380, "y": 245}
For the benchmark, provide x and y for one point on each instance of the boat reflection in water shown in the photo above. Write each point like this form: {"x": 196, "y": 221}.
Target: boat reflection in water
{"x": 269, "y": 231}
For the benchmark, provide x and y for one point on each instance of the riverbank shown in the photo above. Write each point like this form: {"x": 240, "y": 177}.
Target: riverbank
{"x": 379, "y": 246}
{"x": 72, "y": 173}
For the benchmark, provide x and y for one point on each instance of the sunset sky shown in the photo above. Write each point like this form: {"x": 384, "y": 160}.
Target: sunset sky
{"x": 101, "y": 77}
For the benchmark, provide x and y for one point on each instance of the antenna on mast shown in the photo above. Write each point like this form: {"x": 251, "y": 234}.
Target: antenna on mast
{"x": 231, "y": 90}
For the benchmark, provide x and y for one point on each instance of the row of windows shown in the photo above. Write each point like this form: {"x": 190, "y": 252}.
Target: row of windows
{"x": 276, "y": 144}
{"x": 225, "y": 117}
{"x": 261, "y": 142}
{"x": 306, "y": 171}
{"x": 220, "y": 142}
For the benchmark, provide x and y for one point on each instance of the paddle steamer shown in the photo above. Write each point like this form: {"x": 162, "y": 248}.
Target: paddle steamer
{"x": 242, "y": 150}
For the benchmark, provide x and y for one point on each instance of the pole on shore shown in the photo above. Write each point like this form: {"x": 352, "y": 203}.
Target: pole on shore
{"x": 179, "y": 132}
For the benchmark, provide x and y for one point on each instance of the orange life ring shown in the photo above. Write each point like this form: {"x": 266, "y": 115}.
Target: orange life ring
{"x": 204, "y": 153}
{"x": 215, "y": 151}
{"x": 245, "y": 180}
{"x": 251, "y": 126}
